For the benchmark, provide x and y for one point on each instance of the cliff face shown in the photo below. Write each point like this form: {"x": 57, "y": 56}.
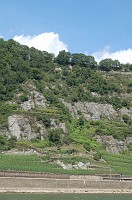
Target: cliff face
{"x": 19, "y": 126}
{"x": 27, "y": 126}
{"x": 95, "y": 111}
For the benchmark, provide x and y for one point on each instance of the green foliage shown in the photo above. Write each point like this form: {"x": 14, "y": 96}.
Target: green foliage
{"x": 25, "y": 163}
{"x": 23, "y": 98}
{"x": 18, "y": 63}
{"x": 55, "y": 136}
{"x": 87, "y": 146}
{"x": 3, "y": 143}
{"x": 119, "y": 163}
{"x": 117, "y": 129}
{"x": 45, "y": 119}
{"x": 63, "y": 58}
{"x": 127, "y": 119}
{"x": 7, "y": 144}
{"x": 35, "y": 163}
{"x": 108, "y": 64}
{"x": 5, "y": 111}
{"x": 97, "y": 156}
{"x": 130, "y": 147}
{"x": 83, "y": 60}
{"x": 71, "y": 151}
{"x": 82, "y": 133}
{"x": 78, "y": 79}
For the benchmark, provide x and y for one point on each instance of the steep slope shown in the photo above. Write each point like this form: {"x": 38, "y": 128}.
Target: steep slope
{"x": 63, "y": 100}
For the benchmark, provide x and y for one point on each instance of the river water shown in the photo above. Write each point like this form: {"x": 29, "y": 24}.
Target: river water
{"x": 14, "y": 196}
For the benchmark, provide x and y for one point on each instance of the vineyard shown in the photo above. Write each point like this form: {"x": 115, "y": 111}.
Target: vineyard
{"x": 121, "y": 164}
{"x": 116, "y": 164}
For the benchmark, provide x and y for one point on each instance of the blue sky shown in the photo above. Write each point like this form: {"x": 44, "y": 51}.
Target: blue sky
{"x": 96, "y": 27}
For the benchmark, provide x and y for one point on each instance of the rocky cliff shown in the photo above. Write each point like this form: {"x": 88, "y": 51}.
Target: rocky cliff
{"x": 48, "y": 98}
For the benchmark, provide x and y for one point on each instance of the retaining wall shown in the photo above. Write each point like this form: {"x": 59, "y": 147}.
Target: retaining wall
{"x": 47, "y": 175}
{"x": 27, "y": 184}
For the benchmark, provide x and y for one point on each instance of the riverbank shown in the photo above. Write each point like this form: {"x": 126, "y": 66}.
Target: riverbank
{"x": 65, "y": 191}
{"x": 49, "y": 185}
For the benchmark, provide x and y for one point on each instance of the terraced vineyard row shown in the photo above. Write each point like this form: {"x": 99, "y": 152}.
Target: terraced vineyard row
{"x": 121, "y": 164}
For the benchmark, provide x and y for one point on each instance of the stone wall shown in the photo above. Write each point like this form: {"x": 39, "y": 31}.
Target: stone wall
{"x": 26, "y": 184}
{"x": 25, "y": 174}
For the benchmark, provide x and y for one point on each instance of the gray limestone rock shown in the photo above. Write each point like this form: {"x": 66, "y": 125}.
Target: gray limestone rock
{"x": 78, "y": 165}
{"x": 42, "y": 130}
{"x": 91, "y": 110}
{"x": 20, "y": 127}
{"x": 125, "y": 111}
{"x": 55, "y": 125}
{"x": 35, "y": 99}
{"x": 114, "y": 145}
{"x": 38, "y": 98}
{"x": 28, "y": 105}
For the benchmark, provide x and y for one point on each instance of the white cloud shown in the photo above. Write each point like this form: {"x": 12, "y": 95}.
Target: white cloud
{"x": 49, "y": 42}
{"x": 124, "y": 56}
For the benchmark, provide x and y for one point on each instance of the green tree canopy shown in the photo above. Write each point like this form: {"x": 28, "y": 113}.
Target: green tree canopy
{"x": 63, "y": 58}
{"x": 108, "y": 64}
{"x": 83, "y": 60}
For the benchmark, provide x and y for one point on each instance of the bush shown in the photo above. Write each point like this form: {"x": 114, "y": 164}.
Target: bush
{"x": 87, "y": 147}
{"x": 97, "y": 156}
{"x": 126, "y": 118}
{"x": 54, "y": 136}
{"x": 23, "y": 98}
{"x": 6, "y": 144}
{"x": 12, "y": 142}
{"x": 45, "y": 119}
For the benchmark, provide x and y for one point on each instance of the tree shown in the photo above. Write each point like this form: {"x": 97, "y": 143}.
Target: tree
{"x": 126, "y": 119}
{"x": 54, "y": 136}
{"x": 83, "y": 60}
{"x": 108, "y": 64}
{"x": 63, "y": 58}
{"x": 127, "y": 67}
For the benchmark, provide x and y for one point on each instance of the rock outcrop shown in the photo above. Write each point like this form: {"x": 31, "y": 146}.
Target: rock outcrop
{"x": 114, "y": 145}
{"x": 91, "y": 110}
{"x": 28, "y": 105}
{"x": 35, "y": 99}
{"x": 42, "y": 130}
{"x": 29, "y": 128}
{"x": 20, "y": 127}
{"x": 78, "y": 165}
{"x": 55, "y": 125}
{"x": 95, "y": 111}
{"x": 125, "y": 111}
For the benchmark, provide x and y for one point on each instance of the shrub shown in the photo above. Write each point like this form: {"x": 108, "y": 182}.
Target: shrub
{"x": 54, "y": 136}
{"x": 97, "y": 156}
{"x": 87, "y": 147}
{"x": 23, "y": 98}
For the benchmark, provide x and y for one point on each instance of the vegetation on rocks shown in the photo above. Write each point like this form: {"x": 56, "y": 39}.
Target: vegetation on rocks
{"x": 38, "y": 87}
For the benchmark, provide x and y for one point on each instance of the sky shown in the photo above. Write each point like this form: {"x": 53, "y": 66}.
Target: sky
{"x": 101, "y": 28}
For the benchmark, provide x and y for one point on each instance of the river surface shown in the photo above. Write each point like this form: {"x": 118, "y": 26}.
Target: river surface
{"x": 65, "y": 196}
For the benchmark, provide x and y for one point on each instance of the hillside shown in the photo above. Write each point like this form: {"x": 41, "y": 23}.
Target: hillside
{"x": 67, "y": 103}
